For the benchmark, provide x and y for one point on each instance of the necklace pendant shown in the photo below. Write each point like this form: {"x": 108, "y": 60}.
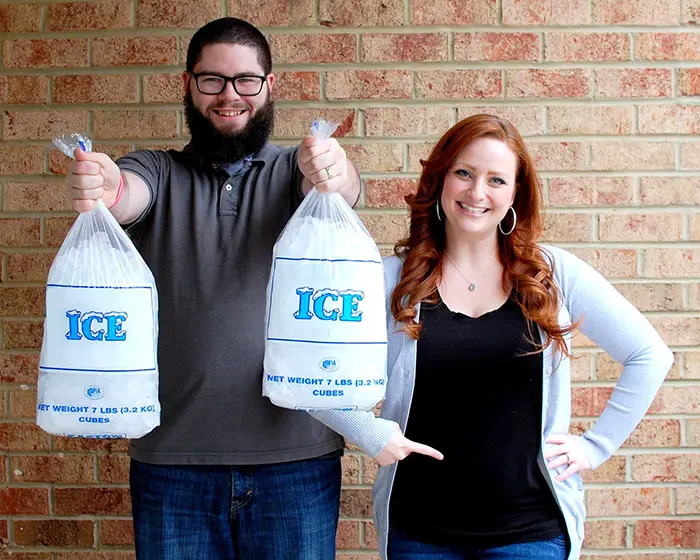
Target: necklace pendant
{"x": 472, "y": 287}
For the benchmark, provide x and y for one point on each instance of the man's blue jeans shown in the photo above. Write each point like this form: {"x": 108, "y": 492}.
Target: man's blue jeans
{"x": 268, "y": 512}
{"x": 405, "y": 547}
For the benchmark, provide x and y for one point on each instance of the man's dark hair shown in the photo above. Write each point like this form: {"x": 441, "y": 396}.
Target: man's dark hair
{"x": 229, "y": 30}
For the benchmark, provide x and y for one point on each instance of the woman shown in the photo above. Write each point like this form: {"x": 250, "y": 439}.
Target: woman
{"x": 479, "y": 366}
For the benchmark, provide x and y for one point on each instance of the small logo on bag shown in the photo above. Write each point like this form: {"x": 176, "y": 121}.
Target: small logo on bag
{"x": 94, "y": 392}
{"x": 328, "y": 364}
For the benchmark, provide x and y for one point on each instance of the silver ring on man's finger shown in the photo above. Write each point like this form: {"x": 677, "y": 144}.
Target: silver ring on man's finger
{"x": 328, "y": 172}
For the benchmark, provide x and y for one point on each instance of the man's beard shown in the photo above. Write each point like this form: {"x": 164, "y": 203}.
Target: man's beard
{"x": 215, "y": 145}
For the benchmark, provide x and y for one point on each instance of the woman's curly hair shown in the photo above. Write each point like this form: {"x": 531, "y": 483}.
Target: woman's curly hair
{"x": 525, "y": 264}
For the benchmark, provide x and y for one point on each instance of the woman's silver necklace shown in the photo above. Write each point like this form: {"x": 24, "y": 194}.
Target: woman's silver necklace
{"x": 471, "y": 284}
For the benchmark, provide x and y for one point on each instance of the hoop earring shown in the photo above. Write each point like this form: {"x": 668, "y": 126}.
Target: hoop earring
{"x": 437, "y": 210}
{"x": 515, "y": 219}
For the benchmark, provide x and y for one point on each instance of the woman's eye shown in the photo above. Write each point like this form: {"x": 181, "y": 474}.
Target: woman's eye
{"x": 498, "y": 181}
{"x": 463, "y": 173}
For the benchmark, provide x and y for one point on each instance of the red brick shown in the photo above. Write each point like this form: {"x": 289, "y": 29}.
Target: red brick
{"x": 18, "y": 368}
{"x": 633, "y": 155}
{"x": 110, "y": 14}
{"x": 163, "y": 88}
{"x": 135, "y": 124}
{"x": 350, "y": 469}
{"x": 115, "y": 445}
{"x": 56, "y": 230}
{"x": 181, "y": 14}
{"x": 348, "y": 534}
{"x": 308, "y": 49}
{"x": 47, "y": 196}
{"x": 670, "y": 191}
{"x": 692, "y": 359}
{"x": 655, "y": 433}
{"x": 575, "y": 83}
{"x": 668, "y": 46}
{"x": 22, "y": 403}
{"x": 370, "y": 468}
{"x": 273, "y": 12}
{"x": 687, "y": 500}
{"x": 20, "y": 436}
{"x": 640, "y": 227}
{"x": 628, "y": 501}
{"x": 368, "y": 84}
{"x": 123, "y": 555}
{"x": 605, "y": 534}
{"x": 386, "y": 228}
{"x": 407, "y": 121}
{"x": 29, "y": 267}
{"x": 22, "y": 334}
{"x": 545, "y": 12}
{"x": 586, "y": 47}
{"x": 690, "y": 155}
{"x": 21, "y": 160}
{"x": 295, "y": 123}
{"x": 54, "y": 532}
{"x": 19, "y": 18}
{"x": 674, "y": 399}
{"x": 376, "y": 158}
{"x": 527, "y": 119}
{"x": 113, "y": 469}
{"x": 636, "y": 12}
{"x": 24, "y": 90}
{"x": 24, "y": 501}
{"x": 669, "y": 119}
{"x": 116, "y": 532}
{"x": 134, "y": 51}
{"x": 356, "y": 502}
{"x": 658, "y": 533}
{"x": 689, "y": 81}
{"x": 611, "y": 263}
{"x": 633, "y": 82}
{"x": 456, "y": 12}
{"x": 589, "y": 401}
{"x": 42, "y": 125}
{"x": 20, "y": 232}
{"x": 404, "y": 47}
{"x": 681, "y": 263}
{"x": 654, "y": 297}
{"x": 459, "y": 84}
{"x": 581, "y": 119}
{"x": 416, "y": 152}
{"x": 497, "y": 46}
{"x": 22, "y": 301}
{"x": 91, "y": 501}
{"x": 558, "y": 156}
{"x": 297, "y": 86}
{"x": 388, "y": 193}
{"x": 613, "y": 470}
{"x": 666, "y": 468}
{"x": 56, "y": 469}
{"x": 590, "y": 191}
{"x": 360, "y": 13}
{"x": 52, "y": 53}
{"x": 581, "y": 366}
{"x": 567, "y": 227}
{"x": 100, "y": 88}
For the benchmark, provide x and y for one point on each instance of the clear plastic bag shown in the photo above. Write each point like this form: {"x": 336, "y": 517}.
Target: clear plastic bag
{"x": 98, "y": 373}
{"x": 325, "y": 340}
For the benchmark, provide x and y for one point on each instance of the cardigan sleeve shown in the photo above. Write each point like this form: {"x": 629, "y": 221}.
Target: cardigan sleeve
{"x": 617, "y": 327}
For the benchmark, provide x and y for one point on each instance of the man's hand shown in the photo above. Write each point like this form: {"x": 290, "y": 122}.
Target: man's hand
{"x": 400, "y": 447}
{"x": 92, "y": 176}
{"x": 324, "y": 164}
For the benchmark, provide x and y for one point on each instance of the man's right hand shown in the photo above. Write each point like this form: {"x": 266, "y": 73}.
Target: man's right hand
{"x": 92, "y": 176}
{"x": 400, "y": 447}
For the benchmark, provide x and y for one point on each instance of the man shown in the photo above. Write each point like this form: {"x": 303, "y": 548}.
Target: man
{"x": 227, "y": 475}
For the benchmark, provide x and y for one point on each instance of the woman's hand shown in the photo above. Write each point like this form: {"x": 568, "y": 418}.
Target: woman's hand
{"x": 566, "y": 449}
{"x": 400, "y": 447}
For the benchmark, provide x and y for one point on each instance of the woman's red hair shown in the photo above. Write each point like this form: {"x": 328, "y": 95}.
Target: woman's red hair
{"x": 524, "y": 262}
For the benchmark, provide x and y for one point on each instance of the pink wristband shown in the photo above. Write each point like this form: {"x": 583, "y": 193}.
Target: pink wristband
{"x": 120, "y": 192}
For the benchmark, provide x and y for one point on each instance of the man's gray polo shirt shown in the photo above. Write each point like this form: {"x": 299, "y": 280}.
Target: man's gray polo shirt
{"x": 208, "y": 239}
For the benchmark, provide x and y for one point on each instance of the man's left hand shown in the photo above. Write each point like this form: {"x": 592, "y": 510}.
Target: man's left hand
{"x": 323, "y": 163}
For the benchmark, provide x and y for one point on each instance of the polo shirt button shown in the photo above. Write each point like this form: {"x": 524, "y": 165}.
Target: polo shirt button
{"x": 213, "y": 166}
{"x": 228, "y": 187}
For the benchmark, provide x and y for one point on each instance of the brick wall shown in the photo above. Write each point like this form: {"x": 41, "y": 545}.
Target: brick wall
{"x": 606, "y": 92}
